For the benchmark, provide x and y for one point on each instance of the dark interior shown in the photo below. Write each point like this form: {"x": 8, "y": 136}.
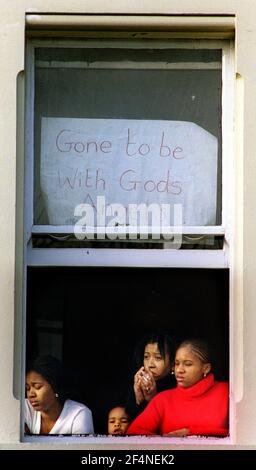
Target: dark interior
{"x": 91, "y": 318}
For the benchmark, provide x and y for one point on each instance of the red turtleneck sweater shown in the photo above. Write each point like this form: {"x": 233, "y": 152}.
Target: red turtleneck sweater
{"x": 202, "y": 408}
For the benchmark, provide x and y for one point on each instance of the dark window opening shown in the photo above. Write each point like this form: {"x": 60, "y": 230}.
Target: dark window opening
{"x": 91, "y": 318}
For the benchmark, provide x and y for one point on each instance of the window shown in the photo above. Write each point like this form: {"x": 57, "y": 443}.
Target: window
{"x": 143, "y": 125}
{"x": 114, "y": 124}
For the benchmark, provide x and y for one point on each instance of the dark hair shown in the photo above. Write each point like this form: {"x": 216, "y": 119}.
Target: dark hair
{"x": 119, "y": 405}
{"x": 52, "y": 370}
{"x": 199, "y": 347}
{"x": 164, "y": 341}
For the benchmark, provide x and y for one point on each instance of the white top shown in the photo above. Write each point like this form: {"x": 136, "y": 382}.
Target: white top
{"x": 75, "y": 418}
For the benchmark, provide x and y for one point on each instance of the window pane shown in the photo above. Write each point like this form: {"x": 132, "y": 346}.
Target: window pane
{"x": 165, "y": 104}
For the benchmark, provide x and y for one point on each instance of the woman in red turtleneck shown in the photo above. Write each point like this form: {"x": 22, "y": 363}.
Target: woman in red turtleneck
{"x": 197, "y": 406}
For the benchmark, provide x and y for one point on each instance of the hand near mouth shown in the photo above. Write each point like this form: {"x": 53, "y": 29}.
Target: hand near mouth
{"x": 149, "y": 387}
{"x": 144, "y": 385}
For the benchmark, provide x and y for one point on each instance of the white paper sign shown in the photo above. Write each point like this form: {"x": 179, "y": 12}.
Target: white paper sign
{"x": 128, "y": 161}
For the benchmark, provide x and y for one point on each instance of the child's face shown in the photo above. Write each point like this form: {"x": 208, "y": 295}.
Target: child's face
{"x": 155, "y": 363}
{"x": 118, "y": 421}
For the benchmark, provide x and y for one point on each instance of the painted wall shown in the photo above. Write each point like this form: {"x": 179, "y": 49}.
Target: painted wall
{"x": 12, "y": 25}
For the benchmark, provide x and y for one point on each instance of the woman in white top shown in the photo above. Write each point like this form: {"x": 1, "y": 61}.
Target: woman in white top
{"x": 47, "y": 407}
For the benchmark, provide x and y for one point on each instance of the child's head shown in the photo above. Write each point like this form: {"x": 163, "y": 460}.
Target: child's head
{"x": 118, "y": 421}
{"x": 156, "y": 353}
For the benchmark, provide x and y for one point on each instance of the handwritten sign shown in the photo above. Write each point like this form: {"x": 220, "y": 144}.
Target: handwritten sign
{"x": 129, "y": 162}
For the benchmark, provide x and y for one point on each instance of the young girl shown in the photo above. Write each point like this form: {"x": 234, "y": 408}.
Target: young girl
{"x": 154, "y": 356}
{"x": 118, "y": 421}
{"x": 197, "y": 406}
{"x": 47, "y": 407}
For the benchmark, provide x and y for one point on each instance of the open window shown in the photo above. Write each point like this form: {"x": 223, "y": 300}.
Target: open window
{"x": 128, "y": 207}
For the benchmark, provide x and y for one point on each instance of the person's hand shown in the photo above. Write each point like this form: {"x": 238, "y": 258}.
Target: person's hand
{"x": 178, "y": 433}
{"x": 139, "y": 395}
{"x": 148, "y": 385}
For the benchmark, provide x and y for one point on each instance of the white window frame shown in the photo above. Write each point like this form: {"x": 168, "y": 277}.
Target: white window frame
{"x": 117, "y": 257}
{"x": 135, "y": 257}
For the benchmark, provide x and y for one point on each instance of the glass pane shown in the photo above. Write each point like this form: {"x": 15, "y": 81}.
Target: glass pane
{"x": 130, "y": 125}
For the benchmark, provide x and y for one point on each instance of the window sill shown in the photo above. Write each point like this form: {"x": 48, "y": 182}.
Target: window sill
{"x": 124, "y": 441}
